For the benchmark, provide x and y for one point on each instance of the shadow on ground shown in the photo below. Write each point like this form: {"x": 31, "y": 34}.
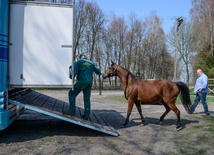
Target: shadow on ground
{"x": 32, "y": 126}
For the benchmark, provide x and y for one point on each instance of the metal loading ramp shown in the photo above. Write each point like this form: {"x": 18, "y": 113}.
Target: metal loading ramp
{"x": 35, "y": 101}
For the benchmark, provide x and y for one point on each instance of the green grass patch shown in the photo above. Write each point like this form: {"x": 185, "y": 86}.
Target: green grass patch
{"x": 192, "y": 97}
{"x": 198, "y": 138}
{"x": 210, "y": 126}
{"x": 120, "y": 98}
{"x": 184, "y": 151}
{"x": 210, "y": 98}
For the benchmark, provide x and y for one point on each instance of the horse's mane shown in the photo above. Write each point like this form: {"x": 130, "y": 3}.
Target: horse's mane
{"x": 131, "y": 74}
{"x": 132, "y": 79}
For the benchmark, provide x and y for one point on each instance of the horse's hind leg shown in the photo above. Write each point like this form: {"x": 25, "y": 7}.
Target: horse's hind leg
{"x": 165, "y": 113}
{"x": 140, "y": 112}
{"x": 177, "y": 113}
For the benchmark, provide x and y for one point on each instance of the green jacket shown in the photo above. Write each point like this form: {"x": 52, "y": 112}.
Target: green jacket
{"x": 84, "y": 69}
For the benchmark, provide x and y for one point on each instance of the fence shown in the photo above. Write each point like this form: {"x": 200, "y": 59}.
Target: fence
{"x": 211, "y": 86}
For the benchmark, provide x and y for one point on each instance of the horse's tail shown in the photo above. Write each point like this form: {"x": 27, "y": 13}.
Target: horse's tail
{"x": 185, "y": 96}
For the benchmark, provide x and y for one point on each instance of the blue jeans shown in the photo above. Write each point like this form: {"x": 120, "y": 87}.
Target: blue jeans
{"x": 200, "y": 96}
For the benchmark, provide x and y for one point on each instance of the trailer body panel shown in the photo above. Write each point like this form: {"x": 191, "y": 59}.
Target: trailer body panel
{"x": 40, "y": 50}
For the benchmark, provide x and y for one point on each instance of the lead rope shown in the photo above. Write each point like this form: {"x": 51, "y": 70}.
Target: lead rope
{"x": 100, "y": 86}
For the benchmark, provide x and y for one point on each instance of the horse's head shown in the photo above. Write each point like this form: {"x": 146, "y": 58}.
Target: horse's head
{"x": 111, "y": 71}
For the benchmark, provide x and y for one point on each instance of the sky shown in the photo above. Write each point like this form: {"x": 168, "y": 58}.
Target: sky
{"x": 167, "y": 10}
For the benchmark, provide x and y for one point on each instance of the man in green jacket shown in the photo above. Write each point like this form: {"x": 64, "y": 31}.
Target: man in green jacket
{"x": 83, "y": 69}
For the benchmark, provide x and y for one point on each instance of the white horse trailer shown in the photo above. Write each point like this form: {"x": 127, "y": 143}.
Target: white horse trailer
{"x": 40, "y": 44}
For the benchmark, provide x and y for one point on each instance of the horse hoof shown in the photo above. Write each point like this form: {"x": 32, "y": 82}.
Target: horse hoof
{"x": 142, "y": 124}
{"x": 123, "y": 125}
{"x": 161, "y": 123}
{"x": 178, "y": 128}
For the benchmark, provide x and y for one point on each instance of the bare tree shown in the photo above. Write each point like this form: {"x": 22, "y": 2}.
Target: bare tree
{"x": 95, "y": 23}
{"x": 135, "y": 52}
{"x": 155, "y": 47}
{"x": 203, "y": 18}
{"x": 116, "y": 32}
{"x": 202, "y": 15}
{"x": 186, "y": 47}
{"x": 79, "y": 25}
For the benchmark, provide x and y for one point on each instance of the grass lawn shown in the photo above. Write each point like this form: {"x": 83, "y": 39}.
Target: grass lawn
{"x": 196, "y": 138}
{"x": 192, "y": 97}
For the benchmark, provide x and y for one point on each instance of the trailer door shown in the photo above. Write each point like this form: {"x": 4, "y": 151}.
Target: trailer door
{"x": 41, "y": 37}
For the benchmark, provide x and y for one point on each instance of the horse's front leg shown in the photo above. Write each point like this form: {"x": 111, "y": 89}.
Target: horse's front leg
{"x": 130, "y": 107}
{"x": 140, "y": 112}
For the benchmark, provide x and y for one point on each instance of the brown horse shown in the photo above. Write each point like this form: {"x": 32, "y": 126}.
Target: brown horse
{"x": 138, "y": 91}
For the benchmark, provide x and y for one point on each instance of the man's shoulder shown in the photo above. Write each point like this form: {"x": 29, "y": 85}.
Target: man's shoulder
{"x": 204, "y": 75}
{"x": 85, "y": 62}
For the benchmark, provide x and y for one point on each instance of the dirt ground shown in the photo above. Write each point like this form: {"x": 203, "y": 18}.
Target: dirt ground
{"x": 37, "y": 134}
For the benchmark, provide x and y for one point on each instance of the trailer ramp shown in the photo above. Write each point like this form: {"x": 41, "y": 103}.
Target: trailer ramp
{"x": 35, "y": 101}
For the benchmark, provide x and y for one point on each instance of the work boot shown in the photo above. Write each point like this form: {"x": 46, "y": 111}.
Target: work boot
{"x": 84, "y": 117}
{"x": 68, "y": 112}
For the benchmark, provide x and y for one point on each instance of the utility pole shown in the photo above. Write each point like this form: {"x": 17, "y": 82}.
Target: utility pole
{"x": 179, "y": 21}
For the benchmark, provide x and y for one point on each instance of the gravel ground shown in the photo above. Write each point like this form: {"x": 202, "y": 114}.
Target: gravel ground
{"x": 37, "y": 134}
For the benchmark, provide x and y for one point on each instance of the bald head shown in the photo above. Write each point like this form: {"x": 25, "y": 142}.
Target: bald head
{"x": 199, "y": 72}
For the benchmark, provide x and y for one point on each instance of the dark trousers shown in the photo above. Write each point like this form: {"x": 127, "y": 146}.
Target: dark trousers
{"x": 200, "y": 96}
{"x": 78, "y": 87}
